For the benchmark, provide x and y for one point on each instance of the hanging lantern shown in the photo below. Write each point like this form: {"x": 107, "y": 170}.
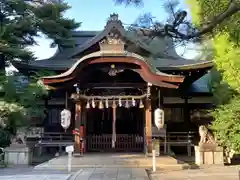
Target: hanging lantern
{"x": 65, "y": 119}
{"x": 106, "y": 103}
{"x": 88, "y": 105}
{"x": 93, "y": 103}
{"x": 133, "y": 102}
{"x": 126, "y": 104}
{"x": 100, "y": 105}
{"x": 141, "y": 105}
{"x": 119, "y": 103}
{"x": 159, "y": 118}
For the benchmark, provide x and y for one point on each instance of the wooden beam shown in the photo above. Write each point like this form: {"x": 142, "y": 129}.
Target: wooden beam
{"x": 114, "y": 85}
{"x": 77, "y": 143}
{"x": 148, "y": 127}
{"x": 78, "y": 97}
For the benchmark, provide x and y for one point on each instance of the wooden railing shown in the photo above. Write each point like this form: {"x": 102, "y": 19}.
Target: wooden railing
{"x": 51, "y": 139}
{"x": 55, "y": 139}
{"x": 124, "y": 142}
{"x": 181, "y": 139}
{"x": 169, "y": 139}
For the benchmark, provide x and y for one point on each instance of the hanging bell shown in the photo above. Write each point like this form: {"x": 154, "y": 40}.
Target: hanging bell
{"x": 133, "y": 102}
{"x": 141, "y": 105}
{"x": 119, "y": 103}
{"x": 106, "y": 103}
{"x": 93, "y": 103}
{"x": 87, "y": 105}
{"x": 100, "y": 105}
{"x": 126, "y": 104}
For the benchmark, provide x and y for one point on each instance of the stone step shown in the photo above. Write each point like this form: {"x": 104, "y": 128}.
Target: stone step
{"x": 148, "y": 166}
{"x": 120, "y": 161}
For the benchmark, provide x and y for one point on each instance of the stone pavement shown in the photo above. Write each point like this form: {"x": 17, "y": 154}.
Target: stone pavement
{"x": 206, "y": 173}
{"x": 111, "y": 174}
{"x": 28, "y": 173}
{"x": 81, "y": 174}
{"x": 38, "y": 177}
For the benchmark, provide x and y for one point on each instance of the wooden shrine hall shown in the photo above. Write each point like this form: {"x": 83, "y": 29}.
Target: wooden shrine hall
{"x": 113, "y": 80}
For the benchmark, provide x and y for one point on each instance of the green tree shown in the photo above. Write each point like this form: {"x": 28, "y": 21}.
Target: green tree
{"x": 21, "y": 22}
{"x": 218, "y": 21}
{"x": 19, "y": 100}
{"x": 226, "y": 80}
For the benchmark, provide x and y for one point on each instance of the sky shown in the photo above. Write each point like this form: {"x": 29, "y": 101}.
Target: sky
{"x": 93, "y": 15}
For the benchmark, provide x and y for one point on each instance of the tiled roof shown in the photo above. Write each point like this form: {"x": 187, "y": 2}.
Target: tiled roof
{"x": 162, "y": 54}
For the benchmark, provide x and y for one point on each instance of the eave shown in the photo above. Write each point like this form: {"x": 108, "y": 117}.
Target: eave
{"x": 149, "y": 74}
{"x": 187, "y": 66}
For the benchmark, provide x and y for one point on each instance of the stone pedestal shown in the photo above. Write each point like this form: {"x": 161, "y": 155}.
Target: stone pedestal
{"x": 206, "y": 154}
{"x": 17, "y": 155}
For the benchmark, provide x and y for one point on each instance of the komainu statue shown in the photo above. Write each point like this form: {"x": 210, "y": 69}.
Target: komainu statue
{"x": 206, "y": 137}
{"x": 18, "y": 139}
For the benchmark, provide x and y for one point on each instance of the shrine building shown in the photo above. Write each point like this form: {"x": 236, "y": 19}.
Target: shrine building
{"x": 112, "y": 82}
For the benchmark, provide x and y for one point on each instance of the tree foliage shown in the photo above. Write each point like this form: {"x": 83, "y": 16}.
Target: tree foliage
{"x": 218, "y": 23}
{"x": 226, "y": 125}
{"x": 21, "y": 22}
{"x": 227, "y": 112}
{"x": 225, "y": 78}
{"x": 19, "y": 100}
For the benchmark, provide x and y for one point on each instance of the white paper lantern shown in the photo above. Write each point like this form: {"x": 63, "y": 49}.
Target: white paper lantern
{"x": 65, "y": 119}
{"x": 159, "y": 118}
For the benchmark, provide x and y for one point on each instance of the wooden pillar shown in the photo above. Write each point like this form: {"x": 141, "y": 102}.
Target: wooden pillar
{"x": 46, "y": 111}
{"x": 77, "y": 143}
{"x": 186, "y": 112}
{"x": 154, "y": 102}
{"x": 148, "y": 127}
{"x": 84, "y": 123}
{"x": 114, "y": 126}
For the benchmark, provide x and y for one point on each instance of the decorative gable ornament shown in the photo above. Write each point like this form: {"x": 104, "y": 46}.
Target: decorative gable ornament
{"x": 65, "y": 119}
{"x": 159, "y": 118}
{"x": 113, "y": 43}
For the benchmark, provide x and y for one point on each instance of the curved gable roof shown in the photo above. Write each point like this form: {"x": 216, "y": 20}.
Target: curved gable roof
{"x": 162, "y": 54}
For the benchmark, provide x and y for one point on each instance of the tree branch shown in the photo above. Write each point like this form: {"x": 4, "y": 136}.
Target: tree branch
{"x": 232, "y": 9}
{"x": 172, "y": 29}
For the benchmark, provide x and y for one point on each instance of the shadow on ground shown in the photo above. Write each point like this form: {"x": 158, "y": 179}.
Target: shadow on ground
{"x": 36, "y": 160}
{"x": 189, "y": 160}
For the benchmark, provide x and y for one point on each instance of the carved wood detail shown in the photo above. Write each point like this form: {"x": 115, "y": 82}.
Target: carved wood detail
{"x": 162, "y": 80}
